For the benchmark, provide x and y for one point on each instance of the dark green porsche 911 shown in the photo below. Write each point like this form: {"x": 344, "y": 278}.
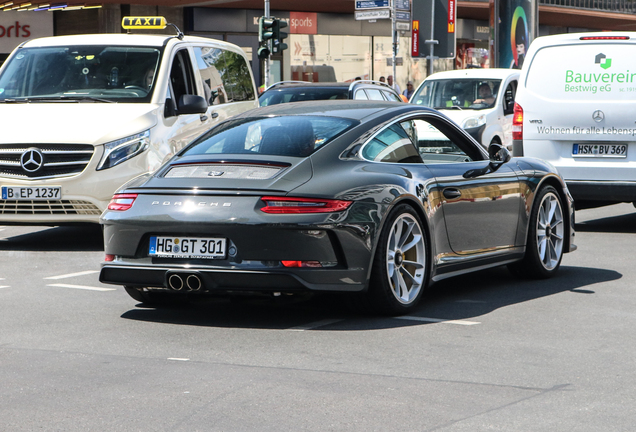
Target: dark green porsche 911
{"x": 374, "y": 198}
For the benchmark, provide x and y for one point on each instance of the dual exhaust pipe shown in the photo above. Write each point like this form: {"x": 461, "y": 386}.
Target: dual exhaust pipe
{"x": 185, "y": 282}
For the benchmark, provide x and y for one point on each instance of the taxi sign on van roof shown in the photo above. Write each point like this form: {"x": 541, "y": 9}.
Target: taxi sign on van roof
{"x": 144, "y": 23}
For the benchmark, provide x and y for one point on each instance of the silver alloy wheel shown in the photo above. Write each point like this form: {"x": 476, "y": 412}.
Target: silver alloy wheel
{"x": 405, "y": 258}
{"x": 550, "y": 229}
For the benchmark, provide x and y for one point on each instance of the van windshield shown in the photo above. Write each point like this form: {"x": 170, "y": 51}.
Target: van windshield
{"x": 474, "y": 94}
{"x": 83, "y": 72}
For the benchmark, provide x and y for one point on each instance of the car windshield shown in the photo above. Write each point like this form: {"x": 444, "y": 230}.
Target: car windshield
{"x": 297, "y": 136}
{"x": 472, "y": 94}
{"x": 86, "y": 72}
{"x": 297, "y": 94}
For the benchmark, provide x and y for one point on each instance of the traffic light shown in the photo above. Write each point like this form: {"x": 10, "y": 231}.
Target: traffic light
{"x": 265, "y": 35}
{"x": 279, "y": 36}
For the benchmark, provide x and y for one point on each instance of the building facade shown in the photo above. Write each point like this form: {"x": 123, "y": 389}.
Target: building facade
{"x": 325, "y": 41}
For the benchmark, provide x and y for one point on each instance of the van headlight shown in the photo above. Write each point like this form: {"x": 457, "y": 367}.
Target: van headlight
{"x": 473, "y": 122}
{"x": 116, "y": 152}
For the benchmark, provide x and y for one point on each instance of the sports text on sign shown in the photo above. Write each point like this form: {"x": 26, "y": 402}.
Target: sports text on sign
{"x": 143, "y": 22}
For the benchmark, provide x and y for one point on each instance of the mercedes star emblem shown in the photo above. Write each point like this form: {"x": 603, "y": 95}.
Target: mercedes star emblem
{"x": 598, "y": 116}
{"x": 32, "y": 160}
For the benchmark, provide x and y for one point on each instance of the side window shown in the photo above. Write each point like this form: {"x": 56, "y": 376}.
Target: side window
{"x": 236, "y": 77}
{"x": 361, "y": 95}
{"x": 210, "y": 63}
{"x": 181, "y": 77}
{"x": 391, "y": 96}
{"x": 509, "y": 98}
{"x": 374, "y": 94}
{"x": 392, "y": 145}
{"x": 438, "y": 143}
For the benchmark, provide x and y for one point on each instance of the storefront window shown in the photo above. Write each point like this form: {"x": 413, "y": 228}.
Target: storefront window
{"x": 407, "y": 69}
{"x": 472, "y": 55}
{"x": 322, "y": 58}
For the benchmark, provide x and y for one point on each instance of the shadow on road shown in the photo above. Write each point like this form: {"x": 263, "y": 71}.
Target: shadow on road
{"x": 625, "y": 223}
{"x": 85, "y": 238}
{"x": 460, "y": 298}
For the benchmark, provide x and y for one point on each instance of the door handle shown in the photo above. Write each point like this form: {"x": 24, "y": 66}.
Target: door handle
{"x": 451, "y": 193}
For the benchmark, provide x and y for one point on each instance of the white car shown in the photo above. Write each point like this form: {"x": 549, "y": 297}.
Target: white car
{"x": 481, "y": 101}
{"x": 575, "y": 110}
{"x": 82, "y": 115}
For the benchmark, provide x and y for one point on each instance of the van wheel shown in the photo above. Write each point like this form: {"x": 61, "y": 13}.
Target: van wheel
{"x": 546, "y": 237}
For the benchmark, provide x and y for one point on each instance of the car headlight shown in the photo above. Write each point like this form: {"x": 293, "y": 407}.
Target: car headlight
{"x": 116, "y": 152}
{"x": 473, "y": 122}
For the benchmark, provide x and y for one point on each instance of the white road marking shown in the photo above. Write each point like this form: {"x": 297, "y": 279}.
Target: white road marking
{"x": 70, "y": 275}
{"x": 315, "y": 324}
{"x": 5, "y": 286}
{"x": 437, "y": 320}
{"x": 178, "y": 359}
{"x": 84, "y": 287}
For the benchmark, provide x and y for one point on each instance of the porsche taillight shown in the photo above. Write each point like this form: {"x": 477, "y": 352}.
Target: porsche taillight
{"x": 122, "y": 202}
{"x": 517, "y": 123}
{"x": 296, "y": 205}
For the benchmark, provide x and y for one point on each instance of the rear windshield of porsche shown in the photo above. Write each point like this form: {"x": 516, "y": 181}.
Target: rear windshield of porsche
{"x": 297, "y": 136}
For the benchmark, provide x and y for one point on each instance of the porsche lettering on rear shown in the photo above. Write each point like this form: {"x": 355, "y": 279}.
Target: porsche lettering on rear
{"x": 192, "y": 203}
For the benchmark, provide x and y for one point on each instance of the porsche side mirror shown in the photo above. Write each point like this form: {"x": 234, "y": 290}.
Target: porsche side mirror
{"x": 498, "y": 154}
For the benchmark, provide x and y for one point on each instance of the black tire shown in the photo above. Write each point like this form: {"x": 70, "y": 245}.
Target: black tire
{"x": 546, "y": 237}
{"x": 399, "y": 276}
{"x": 156, "y": 298}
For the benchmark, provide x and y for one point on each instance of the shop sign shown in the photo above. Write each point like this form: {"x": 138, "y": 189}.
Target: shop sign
{"x": 415, "y": 39}
{"x": 18, "y": 27}
{"x": 303, "y": 22}
{"x": 451, "y": 16}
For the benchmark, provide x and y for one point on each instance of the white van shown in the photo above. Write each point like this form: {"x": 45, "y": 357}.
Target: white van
{"x": 479, "y": 100}
{"x": 575, "y": 109}
{"x": 81, "y": 115}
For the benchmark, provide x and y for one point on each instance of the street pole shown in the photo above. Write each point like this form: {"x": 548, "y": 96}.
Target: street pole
{"x": 432, "y": 41}
{"x": 395, "y": 42}
{"x": 267, "y": 58}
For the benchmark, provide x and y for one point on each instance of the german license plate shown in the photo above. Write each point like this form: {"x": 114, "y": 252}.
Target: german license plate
{"x": 599, "y": 150}
{"x": 31, "y": 193}
{"x": 187, "y": 247}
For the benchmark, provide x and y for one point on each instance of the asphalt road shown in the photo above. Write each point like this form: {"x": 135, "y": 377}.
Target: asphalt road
{"x": 485, "y": 352}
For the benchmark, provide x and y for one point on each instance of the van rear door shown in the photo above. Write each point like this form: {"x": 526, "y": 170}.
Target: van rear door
{"x": 579, "y": 96}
